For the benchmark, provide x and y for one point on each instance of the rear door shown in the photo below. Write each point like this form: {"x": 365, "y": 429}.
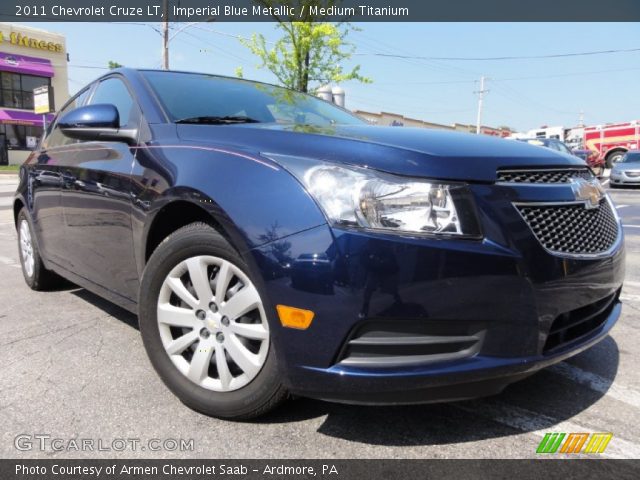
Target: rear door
{"x": 96, "y": 199}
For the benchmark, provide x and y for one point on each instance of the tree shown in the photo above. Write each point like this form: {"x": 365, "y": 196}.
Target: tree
{"x": 309, "y": 52}
{"x": 113, "y": 65}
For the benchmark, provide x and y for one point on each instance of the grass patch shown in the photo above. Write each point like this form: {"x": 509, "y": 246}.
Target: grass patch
{"x": 9, "y": 168}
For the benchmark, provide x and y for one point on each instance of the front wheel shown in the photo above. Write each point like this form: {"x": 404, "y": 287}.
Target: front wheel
{"x": 205, "y": 328}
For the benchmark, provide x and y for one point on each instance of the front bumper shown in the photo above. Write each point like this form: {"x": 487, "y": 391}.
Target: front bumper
{"x": 436, "y": 319}
{"x": 473, "y": 377}
{"x": 623, "y": 179}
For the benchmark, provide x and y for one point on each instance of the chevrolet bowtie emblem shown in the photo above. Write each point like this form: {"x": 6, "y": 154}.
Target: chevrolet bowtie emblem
{"x": 588, "y": 191}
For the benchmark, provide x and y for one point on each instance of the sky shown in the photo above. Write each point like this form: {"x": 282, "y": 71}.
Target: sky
{"x": 523, "y": 93}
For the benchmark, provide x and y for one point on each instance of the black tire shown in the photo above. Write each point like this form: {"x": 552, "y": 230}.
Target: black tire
{"x": 256, "y": 398}
{"x": 614, "y": 158}
{"x": 40, "y": 278}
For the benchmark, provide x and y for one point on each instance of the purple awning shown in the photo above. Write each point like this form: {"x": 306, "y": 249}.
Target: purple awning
{"x": 16, "y": 117}
{"x": 10, "y": 62}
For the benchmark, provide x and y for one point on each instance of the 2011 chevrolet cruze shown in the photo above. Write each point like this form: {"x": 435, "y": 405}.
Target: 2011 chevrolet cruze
{"x": 274, "y": 244}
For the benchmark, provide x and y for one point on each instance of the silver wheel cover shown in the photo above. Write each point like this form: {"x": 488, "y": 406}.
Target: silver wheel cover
{"x": 212, "y": 323}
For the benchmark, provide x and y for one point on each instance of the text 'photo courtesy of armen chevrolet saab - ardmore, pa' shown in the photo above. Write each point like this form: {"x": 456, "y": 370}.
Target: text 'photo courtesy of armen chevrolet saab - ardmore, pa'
{"x": 314, "y": 234}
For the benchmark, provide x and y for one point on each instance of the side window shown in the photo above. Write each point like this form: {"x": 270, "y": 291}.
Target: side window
{"x": 114, "y": 91}
{"x": 55, "y": 138}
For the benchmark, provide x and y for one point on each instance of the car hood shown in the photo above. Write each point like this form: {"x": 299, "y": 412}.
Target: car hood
{"x": 627, "y": 167}
{"x": 404, "y": 151}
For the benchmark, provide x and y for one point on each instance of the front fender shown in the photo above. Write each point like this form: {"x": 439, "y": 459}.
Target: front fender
{"x": 253, "y": 199}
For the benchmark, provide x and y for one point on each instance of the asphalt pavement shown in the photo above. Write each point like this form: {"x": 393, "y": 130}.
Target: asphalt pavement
{"x": 73, "y": 367}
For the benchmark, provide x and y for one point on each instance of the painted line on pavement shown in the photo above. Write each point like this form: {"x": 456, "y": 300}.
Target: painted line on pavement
{"x": 597, "y": 383}
{"x": 539, "y": 424}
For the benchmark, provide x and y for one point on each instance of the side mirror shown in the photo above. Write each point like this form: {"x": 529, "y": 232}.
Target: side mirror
{"x": 100, "y": 122}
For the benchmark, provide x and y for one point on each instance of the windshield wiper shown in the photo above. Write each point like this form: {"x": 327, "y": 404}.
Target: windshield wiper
{"x": 213, "y": 120}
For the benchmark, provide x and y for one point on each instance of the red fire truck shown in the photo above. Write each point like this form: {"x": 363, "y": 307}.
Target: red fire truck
{"x": 612, "y": 141}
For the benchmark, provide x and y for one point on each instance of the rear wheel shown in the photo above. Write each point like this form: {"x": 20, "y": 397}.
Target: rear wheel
{"x": 205, "y": 327}
{"x": 613, "y": 158}
{"x": 33, "y": 269}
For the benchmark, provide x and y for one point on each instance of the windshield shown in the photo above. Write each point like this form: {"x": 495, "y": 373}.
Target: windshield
{"x": 200, "y": 98}
{"x": 631, "y": 158}
{"x": 563, "y": 148}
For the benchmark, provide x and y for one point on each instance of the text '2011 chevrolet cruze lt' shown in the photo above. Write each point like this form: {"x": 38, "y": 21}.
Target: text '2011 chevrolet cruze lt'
{"x": 273, "y": 244}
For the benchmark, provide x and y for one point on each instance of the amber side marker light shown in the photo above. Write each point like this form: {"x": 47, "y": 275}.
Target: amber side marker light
{"x": 294, "y": 317}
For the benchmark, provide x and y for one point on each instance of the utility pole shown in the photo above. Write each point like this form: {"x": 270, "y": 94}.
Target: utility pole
{"x": 165, "y": 35}
{"x": 581, "y": 122}
{"x": 480, "y": 93}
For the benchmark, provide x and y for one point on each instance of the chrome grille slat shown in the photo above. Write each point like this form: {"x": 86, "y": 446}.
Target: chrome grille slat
{"x": 552, "y": 175}
{"x": 572, "y": 229}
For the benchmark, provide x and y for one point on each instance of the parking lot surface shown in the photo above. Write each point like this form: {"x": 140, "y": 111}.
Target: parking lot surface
{"x": 73, "y": 367}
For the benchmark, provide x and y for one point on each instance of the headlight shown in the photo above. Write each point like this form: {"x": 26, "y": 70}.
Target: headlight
{"x": 364, "y": 198}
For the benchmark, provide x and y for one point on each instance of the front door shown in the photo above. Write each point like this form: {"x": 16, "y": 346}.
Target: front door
{"x": 96, "y": 200}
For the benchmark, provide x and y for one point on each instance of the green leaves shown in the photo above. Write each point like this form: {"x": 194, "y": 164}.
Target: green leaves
{"x": 309, "y": 54}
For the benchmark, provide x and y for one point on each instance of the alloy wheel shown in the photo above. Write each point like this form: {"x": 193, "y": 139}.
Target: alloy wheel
{"x": 26, "y": 248}
{"x": 212, "y": 323}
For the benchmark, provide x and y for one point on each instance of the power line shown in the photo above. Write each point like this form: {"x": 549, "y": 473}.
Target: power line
{"x": 482, "y": 59}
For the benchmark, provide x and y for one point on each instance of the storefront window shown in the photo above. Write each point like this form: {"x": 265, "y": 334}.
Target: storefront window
{"x": 20, "y": 137}
{"x": 16, "y": 90}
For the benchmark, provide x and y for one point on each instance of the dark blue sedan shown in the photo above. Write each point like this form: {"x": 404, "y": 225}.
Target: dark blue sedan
{"x": 274, "y": 244}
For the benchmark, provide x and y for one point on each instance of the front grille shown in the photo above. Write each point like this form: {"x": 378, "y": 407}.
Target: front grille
{"x": 551, "y": 175}
{"x": 382, "y": 343}
{"x": 577, "y": 323}
{"x": 572, "y": 229}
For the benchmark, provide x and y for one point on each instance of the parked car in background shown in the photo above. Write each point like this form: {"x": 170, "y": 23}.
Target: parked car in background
{"x": 273, "y": 244}
{"x": 627, "y": 170}
{"x": 589, "y": 157}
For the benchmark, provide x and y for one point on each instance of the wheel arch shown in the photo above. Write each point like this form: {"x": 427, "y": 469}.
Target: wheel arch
{"x": 615, "y": 150}
{"x": 18, "y": 205}
{"x": 174, "y": 215}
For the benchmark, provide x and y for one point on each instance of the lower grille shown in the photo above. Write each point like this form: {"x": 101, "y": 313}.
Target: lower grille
{"x": 572, "y": 229}
{"x": 403, "y": 343}
{"x": 577, "y": 323}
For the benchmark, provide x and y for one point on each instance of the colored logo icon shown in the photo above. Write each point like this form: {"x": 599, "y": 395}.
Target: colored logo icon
{"x": 574, "y": 443}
